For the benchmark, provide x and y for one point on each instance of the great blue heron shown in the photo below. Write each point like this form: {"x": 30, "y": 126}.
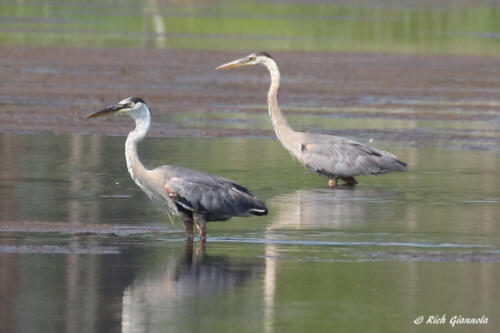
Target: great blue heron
{"x": 332, "y": 156}
{"x": 193, "y": 195}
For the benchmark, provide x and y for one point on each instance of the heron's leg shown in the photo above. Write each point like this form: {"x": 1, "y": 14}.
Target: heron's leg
{"x": 201, "y": 224}
{"x": 188, "y": 226}
{"x": 350, "y": 181}
{"x": 332, "y": 182}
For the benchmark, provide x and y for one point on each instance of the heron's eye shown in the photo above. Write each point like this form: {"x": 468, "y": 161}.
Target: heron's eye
{"x": 251, "y": 58}
{"x": 129, "y": 105}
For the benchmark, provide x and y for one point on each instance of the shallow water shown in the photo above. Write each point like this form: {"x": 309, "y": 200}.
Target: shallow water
{"x": 83, "y": 249}
{"x": 438, "y": 26}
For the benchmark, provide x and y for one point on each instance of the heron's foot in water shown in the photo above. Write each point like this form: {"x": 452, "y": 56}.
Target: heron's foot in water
{"x": 200, "y": 248}
{"x": 188, "y": 226}
{"x": 201, "y": 225}
{"x": 203, "y": 232}
{"x": 349, "y": 181}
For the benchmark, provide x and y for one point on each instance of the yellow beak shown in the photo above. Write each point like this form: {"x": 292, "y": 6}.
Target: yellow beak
{"x": 233, "y": 64}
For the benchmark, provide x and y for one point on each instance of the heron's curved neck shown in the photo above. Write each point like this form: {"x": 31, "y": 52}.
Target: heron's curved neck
{"x": 134, "y": 164}
{"x": 283, "y": 131}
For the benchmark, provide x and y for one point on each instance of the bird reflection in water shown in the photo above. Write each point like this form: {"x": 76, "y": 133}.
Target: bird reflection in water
{"x": 327, "y": 208}
{"x": 186, "y": 283}
{"x": 198, "y": 274}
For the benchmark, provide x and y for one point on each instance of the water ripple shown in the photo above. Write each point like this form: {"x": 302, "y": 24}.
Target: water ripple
{"x": 350, "y": 244}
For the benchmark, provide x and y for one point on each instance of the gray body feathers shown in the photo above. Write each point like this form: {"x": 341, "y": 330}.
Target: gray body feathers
{"x": 335, "y": 156}
{"x": 214, "y": 197}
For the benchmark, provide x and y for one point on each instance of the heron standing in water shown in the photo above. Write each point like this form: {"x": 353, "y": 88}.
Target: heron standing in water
{"x": 332, "y": 156}
{"x": 197, "y": 197}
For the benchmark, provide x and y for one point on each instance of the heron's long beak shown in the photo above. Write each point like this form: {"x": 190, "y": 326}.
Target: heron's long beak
{"x": 107, "y": 111}
{"x": 233, "y": 64}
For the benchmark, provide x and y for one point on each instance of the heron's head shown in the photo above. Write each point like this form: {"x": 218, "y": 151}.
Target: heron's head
{"x": 132, "y": 106}
{"x": 251, "y": 59}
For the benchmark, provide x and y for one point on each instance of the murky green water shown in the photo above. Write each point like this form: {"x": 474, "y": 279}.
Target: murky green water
{"x": 440, "y": 26}
{"x": 83, "y": 249}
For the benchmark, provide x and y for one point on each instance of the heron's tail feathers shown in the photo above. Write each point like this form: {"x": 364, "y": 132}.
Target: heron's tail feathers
{"x": 257, "y": 207}
{"x": 261, "y": 211}
{"x": 392, "y": 163}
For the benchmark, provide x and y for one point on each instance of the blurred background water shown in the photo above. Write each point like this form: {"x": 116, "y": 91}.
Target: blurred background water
{"x": 443, "y": 26}
{"x": 82, "y": 249}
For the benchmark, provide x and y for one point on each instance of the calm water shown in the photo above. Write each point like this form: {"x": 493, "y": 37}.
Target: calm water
{"x": 83, "y": 249}
{"x": 438, "y": 26}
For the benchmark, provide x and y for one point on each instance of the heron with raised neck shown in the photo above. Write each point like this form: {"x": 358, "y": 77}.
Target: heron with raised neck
{"x": 332, "y": 156}
{"x": 195, "y": 196}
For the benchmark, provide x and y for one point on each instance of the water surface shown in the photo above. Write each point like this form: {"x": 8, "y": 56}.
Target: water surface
{"x": 441, "y": 26}
{"x": 83, "y": 249}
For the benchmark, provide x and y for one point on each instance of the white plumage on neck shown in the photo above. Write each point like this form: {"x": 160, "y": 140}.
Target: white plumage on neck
{"x": 135, "y": 167}
{"x": 283, "y": 131}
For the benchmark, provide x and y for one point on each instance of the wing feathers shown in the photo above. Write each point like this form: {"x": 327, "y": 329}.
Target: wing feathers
{"x": 340, "y": 157}
{"x": 216, "y": 197}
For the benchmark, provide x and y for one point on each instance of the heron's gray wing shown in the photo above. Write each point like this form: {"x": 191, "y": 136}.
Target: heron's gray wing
{"x": 335, "y": 156}
{"x": 215, "y": 197}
